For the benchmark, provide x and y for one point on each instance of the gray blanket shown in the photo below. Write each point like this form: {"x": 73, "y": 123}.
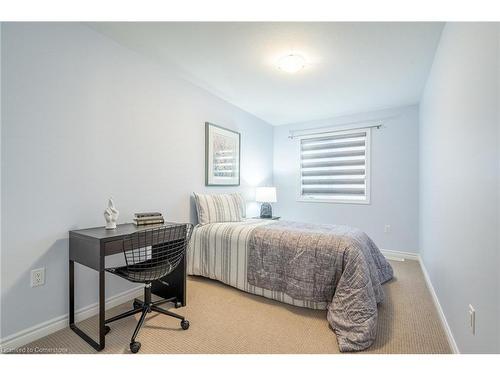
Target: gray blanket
{"x": 324, "y": 263}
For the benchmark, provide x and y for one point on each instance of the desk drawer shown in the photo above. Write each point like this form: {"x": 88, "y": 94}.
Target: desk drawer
{"x": 113, "y": 247}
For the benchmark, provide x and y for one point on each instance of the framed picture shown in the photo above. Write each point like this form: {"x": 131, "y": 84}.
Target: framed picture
{"x": 222, "y": 156}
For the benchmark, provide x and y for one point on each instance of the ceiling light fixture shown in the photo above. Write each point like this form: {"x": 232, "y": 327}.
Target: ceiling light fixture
{"x": 291, "y": 63}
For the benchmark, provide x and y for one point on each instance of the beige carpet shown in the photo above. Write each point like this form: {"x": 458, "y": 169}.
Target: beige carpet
{"x": 226, "y": 320}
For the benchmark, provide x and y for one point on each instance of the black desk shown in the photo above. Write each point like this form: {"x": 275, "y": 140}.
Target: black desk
{"x": 90, "y": 247}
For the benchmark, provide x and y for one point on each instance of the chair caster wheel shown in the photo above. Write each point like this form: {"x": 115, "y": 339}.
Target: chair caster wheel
{"x": 136, "y": 305}
{"x": 135, "y": 346}
{"x": 185, "y": 324}
{"x": 107, "y": 329}
{"x": 178, "y": 304}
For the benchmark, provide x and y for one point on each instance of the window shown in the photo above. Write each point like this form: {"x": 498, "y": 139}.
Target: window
{"x": 334, "y": 167}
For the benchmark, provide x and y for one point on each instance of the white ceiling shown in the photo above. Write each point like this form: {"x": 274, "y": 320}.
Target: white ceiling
{"x": 353, "y": 67}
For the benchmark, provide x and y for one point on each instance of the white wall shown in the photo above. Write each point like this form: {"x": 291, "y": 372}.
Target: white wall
{"x": 394, "y": 180}
{"x": 498, "y": 190}
{"x": 1, "y": 179}
{"x": 85, "y": 119}
{"x": 459, "y": 201}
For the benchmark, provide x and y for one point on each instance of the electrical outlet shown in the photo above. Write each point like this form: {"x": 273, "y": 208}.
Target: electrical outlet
{"x": 472, "y": 319}
{"x": 37, "y": 277}
{"x": 387, "y": 228}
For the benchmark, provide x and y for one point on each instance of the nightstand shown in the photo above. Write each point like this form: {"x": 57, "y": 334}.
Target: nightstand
{"x": 267, "y": 218}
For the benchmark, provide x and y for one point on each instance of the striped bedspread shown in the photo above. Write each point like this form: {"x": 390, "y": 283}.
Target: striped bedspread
{"x": 220, "y": 251}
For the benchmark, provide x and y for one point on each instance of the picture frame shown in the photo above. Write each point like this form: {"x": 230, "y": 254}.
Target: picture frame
{"x": 222, "y": 156}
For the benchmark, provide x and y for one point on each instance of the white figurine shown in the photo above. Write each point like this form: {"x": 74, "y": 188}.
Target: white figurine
{"x": 111, "y": 215}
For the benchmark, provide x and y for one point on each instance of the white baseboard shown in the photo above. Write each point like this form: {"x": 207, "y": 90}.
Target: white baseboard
{"x": 43, "y": 329}
{"x": 402, "y": 256}
{"x": 444, "y": 322}
{"x": 399, "y": 255}
{"x": 46, "y": 328}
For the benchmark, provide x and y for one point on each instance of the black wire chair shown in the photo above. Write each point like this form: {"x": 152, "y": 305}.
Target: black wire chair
{"x": 150, "y": 255}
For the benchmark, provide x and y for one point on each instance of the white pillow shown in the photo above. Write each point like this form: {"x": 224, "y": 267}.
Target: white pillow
{"x": 218, "y": 208}
{"x": 242, "y": 204}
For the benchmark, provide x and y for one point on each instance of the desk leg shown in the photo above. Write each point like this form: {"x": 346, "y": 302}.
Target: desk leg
{"x": 102, "y": 330}
{"x": 71, "y": 293}
{"x": 102, "y": 307}
{"x": 176, "y": 285}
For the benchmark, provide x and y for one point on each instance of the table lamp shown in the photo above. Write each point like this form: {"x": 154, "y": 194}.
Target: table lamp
{"x": 266, "y": 196}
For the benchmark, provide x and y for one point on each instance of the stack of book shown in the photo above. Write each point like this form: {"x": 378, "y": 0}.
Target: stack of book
{"x": 148, "y": 218}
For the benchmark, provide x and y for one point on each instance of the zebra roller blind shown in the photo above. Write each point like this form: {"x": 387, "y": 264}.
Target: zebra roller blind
{"x": 335, "y": 167}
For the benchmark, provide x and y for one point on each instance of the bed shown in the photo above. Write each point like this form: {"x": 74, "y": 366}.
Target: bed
{"x": 328, "y": 267}
{"x": 219, "y": 251}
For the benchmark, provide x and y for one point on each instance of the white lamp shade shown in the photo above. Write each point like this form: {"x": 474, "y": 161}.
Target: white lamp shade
{"x": 265, "y": 194}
